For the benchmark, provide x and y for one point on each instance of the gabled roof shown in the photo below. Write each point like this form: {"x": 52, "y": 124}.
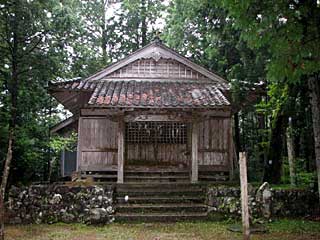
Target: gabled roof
{"x": 156, "y": 50}
{"x": 155, "y": 76}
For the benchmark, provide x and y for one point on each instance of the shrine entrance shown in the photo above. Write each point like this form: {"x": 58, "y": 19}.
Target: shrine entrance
{"x": 157, "y": 144}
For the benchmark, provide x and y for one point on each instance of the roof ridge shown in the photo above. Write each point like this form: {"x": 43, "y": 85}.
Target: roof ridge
{"x": 66, "y": 81}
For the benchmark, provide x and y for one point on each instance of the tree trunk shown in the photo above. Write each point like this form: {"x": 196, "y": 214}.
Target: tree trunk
{"x": 143, "y": 23}
{"x": 4, "y": 181}
{"x": 13, "y": 90}
{"x": 314, "y": 87}
{"x": 291, "y": 154}
{"x": 237, "y": 134}
{"x": 104, "y": 46}
{"x": 104, "y": 32}
{"x": 273, "y": 167}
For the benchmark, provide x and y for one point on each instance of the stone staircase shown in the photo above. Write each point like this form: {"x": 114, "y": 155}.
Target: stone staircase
{"x": 157, "y": 176}
{"x": 150, "y": 202}
{"x": 149, "y": 175}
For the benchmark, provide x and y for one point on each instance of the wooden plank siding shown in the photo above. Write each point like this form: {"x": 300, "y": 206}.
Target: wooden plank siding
{"x": 97, "y": 147}
{"x": 194, "y": 152}
{"x": 214, "y": 142}
{"x": 150, "y": 68}
{"x": 157, "y": 154}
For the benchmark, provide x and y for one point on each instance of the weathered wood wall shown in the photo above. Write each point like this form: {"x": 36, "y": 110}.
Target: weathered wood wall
{"x": 98, "y": 146}
{"x": 157, "y": 154}
{"x": 213, "y": 147}
{"x": 97, "y": 143}
{"x": 164, "y": 68}
{"x": 214, "y": 141}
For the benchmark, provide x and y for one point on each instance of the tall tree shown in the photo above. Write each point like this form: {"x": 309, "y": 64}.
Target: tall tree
{"x": 133, "y": 26}
{"x": 33, "y": 51}
{"x": 290, "y": 30}
{"x": 94, "y": 15}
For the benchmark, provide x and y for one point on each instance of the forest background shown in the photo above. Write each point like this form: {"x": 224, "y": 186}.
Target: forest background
{"x": 271, "y": 44}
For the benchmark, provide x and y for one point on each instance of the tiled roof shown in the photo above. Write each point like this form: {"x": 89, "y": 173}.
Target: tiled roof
{"x": 156, "y": 94}
{"x": 152, "y": 93}
{"x": 75, "y": 84}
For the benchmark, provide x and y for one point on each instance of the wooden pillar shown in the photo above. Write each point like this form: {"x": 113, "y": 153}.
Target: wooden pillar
{"x": 79, "y": 146}
{"x": 244, "y": 195}
{"x": 194, "y": 152}
{"x": 230, "y": 150}
{"x": 121, "y": 128}
{"x": 63, "y": 155}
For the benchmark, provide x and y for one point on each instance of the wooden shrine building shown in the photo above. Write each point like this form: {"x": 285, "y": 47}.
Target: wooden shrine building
{"x": 154, "y": 110}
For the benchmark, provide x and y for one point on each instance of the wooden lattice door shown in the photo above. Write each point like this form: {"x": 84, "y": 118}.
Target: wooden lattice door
{"x": 156, "y": 143}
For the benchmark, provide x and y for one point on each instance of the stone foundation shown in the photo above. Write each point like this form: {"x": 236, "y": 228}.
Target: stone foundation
{"x": 95, "y": 205}
{"x": 264, "y": 202}
{"x": 60, "y": 203}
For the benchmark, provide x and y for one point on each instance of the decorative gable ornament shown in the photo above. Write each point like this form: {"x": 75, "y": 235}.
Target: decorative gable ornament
{"x": 156, "y": 56}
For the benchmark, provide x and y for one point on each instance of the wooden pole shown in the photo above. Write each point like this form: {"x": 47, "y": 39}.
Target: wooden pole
{"x": 194, "y": 153}
{"x": 291, "y": 155}
{"x": 79, "y": 147}
{"x": 120, "y": 150}
{"x": 244, "y": 195}
{"x": 230, "y": 151}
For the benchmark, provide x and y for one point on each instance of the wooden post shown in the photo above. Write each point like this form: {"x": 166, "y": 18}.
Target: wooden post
{"x": 63, "y": 155}
{"x": 291, "y": 155}
{"x": 79, "y": 147}
{"x": 194, "y": 152}
{"x": 120, "y": 150}
{"x": 244, "y": 195}
{"x": 230, "y": 151}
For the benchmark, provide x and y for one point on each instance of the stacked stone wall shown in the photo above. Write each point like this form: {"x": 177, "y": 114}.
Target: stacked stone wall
{"x": 60, "y": 203}
{"x": 264, "y": 202}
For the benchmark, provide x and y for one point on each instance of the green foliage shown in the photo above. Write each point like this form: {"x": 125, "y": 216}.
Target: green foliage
{"x": 59, "y": 143}
{"x": 287, "y": 28}
{"x": 303, "y": 178}
{"x": 44, "y": 31}
{"x": 133, "y": 26}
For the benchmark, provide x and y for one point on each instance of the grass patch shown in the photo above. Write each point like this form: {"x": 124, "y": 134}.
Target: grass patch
{"x": 282, "y": 229}
{"x": 295, "y": 226}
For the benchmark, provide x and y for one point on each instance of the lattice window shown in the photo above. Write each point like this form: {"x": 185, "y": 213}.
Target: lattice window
{"x": 156, "y": 132}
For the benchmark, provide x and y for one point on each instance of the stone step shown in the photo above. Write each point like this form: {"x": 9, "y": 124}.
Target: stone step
{"x": 152, "y": 186}
{"x": 161, "y": 217}
{"x": 213, "y": 178}
{"x": 159, "y": 189}
{"x": 156, "y": 174}
{"x": 162, "y": 208}
{"x": 162, "y": 170}
{"x": 159, "y": 192}
{"x": 160, "y": 200}
{"x": 100, "y": 175}
{"x": 152, "y": 181}
{"x": 155, "y": 177}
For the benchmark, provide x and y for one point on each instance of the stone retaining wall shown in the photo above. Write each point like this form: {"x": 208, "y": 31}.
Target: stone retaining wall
{"x": 60, "y": 203}
{"x": 264, "y": 202}
{"x": 94, "y": 204}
